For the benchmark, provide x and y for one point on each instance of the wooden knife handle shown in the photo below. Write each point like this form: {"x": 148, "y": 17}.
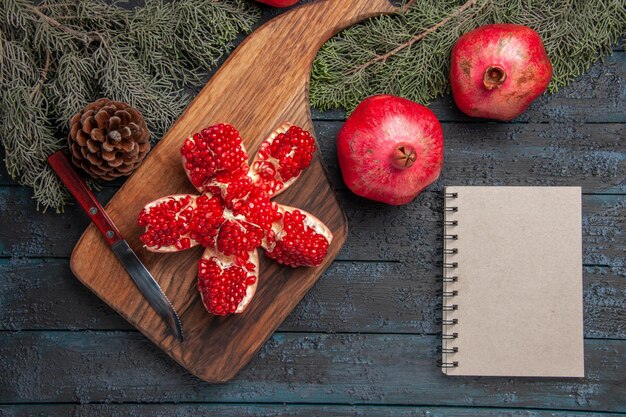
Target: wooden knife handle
{"x": 78, "y": 188}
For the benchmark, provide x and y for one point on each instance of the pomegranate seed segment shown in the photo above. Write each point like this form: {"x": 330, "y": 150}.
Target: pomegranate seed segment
{"x": 257, "y": 209}
{"x": 294, "y": 150}
{"x": 231, "y": 187}
{"x": 236, "y": 237}
{"x": 227, "y": 285}
{"x": 207, "y": 218}
{"x": 282, "y": 158}
{"x": 301, "y": 240}
{"x": 222, "y": 289}
{"x": 167, "y": 222}
{"x": 217, "y": 149}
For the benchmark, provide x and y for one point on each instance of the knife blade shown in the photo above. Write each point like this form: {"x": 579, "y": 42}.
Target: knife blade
{"x": 148, "y": 286}
{"x": 140, "y": 275}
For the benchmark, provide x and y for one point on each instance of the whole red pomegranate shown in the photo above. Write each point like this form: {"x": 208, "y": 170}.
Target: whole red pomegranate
{"x": 497, "y": 70}
{"x": 390, "y": 149}
{"x": 279, "y": 3}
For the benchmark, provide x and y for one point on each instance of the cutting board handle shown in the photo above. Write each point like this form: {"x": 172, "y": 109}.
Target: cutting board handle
{"x": 327, "y": 17}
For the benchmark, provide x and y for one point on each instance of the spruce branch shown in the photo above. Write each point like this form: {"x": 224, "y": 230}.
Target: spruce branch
{"x": 407, "y": 6}
{"x": 85, "y": 37}
{"x": 407, "y": 53}
{"x": 58, "y": 55}
{"x": 416, "y": 38}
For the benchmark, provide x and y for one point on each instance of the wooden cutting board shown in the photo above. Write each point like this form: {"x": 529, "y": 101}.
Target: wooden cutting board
{"x": 263, "y": 83}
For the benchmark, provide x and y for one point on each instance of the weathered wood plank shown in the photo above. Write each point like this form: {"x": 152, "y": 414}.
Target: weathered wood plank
{"x": 350, "y": 297}
{"x": 410, "y": 233}
{"x": 25, "y": 232}
{"x": 591, "y": 156}
{"x": 271, "y": 410}
{"x": 305, "y": 368}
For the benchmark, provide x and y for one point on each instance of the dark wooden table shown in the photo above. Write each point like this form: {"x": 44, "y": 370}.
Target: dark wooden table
{"x": 364, "y": 340}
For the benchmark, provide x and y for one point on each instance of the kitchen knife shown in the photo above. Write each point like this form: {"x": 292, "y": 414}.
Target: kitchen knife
{"x": 137, "y": 271}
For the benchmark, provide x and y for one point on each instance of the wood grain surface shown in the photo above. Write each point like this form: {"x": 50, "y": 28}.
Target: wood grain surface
{"x": 277, "y": 410}
{"x": 302, "y": 368}
{"x": 363, "y": 341}
{"x": 261, "y": 85}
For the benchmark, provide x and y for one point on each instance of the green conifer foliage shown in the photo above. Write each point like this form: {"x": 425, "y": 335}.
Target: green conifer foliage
{"x": 407, "y": 54}
{"x": 59, "y": 55}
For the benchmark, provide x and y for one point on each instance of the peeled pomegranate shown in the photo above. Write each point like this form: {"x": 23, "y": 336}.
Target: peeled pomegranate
{"x": 497, "y": 70}
{"x": 234, "y": 215}
{"x": 390, "y": 149}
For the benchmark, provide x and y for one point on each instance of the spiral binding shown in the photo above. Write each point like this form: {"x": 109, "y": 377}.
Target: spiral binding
{"x": 449, "y": 278}
{"x": 451, "y": 350}
{"x": 442, "y": 364}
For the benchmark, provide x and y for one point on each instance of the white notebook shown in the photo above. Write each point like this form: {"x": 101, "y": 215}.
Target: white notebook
{"x": 512, "y": 291}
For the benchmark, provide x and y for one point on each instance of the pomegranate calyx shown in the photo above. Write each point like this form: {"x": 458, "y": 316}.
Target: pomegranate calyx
{"x": 494, "y": 77}
{"x": 404, "y": 155}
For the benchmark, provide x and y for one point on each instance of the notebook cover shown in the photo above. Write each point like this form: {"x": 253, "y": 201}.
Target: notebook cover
{"x": 519, "y": 289}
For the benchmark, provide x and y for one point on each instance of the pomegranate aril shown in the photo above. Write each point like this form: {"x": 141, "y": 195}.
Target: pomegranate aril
{"x": 299, "y": 239}
{"x": 282, "y": 158}
{"x": 216, "y": 149}
{"x": 167, "y": 222}
{"x": 184, "y": 243}
{"x": 236, "y": 237}
{"x": 224, "y": 286}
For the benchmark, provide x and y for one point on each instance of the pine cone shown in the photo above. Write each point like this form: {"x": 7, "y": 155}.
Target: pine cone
{"x": 108, "y": 139}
